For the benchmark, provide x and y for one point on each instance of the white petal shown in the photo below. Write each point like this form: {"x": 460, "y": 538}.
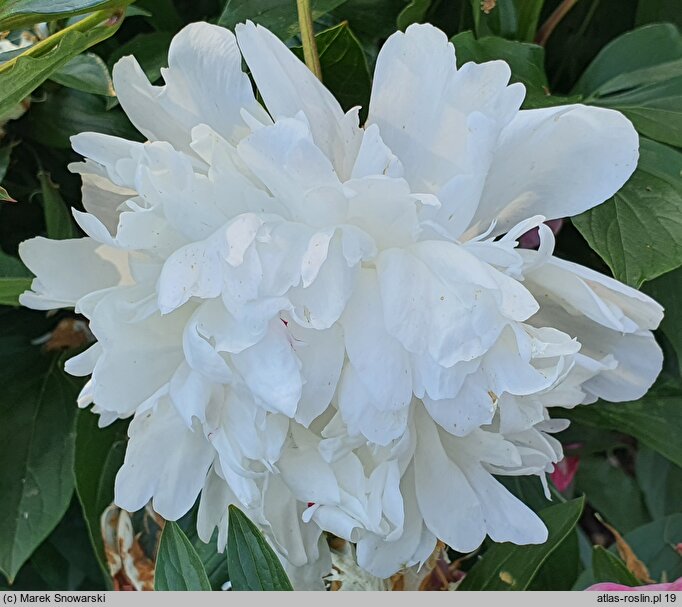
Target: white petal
{"x": 201, "y": 355}
{"x": 308, "y": 476}
{"x": 380, "y": 361}
{"x": 271, "y": 370}
{"x": 212, "y": 512}
{"x": 204, "y": 84}
{"x": 451, "y": 509}
{"x": 292, "y": 166}
{"x": 320, "y": 304}
{"x": 363, "y": 415}
{"x": 422, "y": 103}
{"x": 383, "y": 558}
{"x": 507, "y": 519}
{"x": 374, "y": 157}
{"x": 630, "y": 362}
{"x": 65, "y": 270}
{"x": 288, "y": 87}
{"x": 165, "y": 460}
{"x": 556, "y": 162}
{"x": 321, "y": 354}
{"x": 602, "y": 299}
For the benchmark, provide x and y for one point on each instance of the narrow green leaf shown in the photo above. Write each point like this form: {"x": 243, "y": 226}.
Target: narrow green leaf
{"x": 215, "y": 563}
{"x": 20, "y": 76}
{"x": 562, "y": 568}
{"x": 655, "y": 545}
{"x": 99, "y": 455}
{"x": 607, "y": 567}
{"x": 87, "y": 73}
{"x": 38, "y": 410}
{"x": 654, "y": 420}
{"x": 510, "y": 567}
{"x": 528, "y": 16}
{"x": 344, "y": 67}
{"x": 57, "y": 213}
{"x": 4, "y": 196}
{"x": 279, "y": 16}
{"x": 638, "y": 233}
{"x": 20, "y": 13}
{"x": 178, "y": 566}
{"x": 253, "y": 565}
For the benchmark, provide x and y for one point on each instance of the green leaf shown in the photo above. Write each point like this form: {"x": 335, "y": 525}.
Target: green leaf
{"x": 87, "y": 73}
{"x": 67, "y": 112}
{"x": 253, "y": 565}
{"x": 65, "y": 559}
{"x": 57, "y": 213}
{"x": 657, "y": 11}
{"x": 150, "y": 50}
{"x": 279, "y": 16}
{"x": 654, "y": 544}
{"x": 20, "y": 13}
{"x": 20, "y": 76}
{"x": 98, "y": 457}
{"x": 654, "y": 420}
{"x": 38, "y": 409}
{"x": 414, "y": 12}
{"x": 640, "y": 74}
{"x": 11, "y": 267}
{"x": 215, "y": 563}
{"x": 371, "y": 20}
{"x": 641, "y": 49}
{"x": 510, "y": 567}
{"x": 660, "y": 481}
{"x": 165, "y": 15}
{"x": 178, "y": 566}
{"x": 11, "y": 288}
{"x": 611, "y": 492}
{"x": 667, "y": 290}
{"x": 344, "y": 68}
{"x": 638, "y": 232}
{"x": 607, "y": 567}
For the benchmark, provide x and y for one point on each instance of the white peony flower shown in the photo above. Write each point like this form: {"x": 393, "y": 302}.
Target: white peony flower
{"x": 331, "y": 325}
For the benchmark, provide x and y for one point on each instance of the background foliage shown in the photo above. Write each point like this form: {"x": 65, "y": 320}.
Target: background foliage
{"x": 57, "y": 468}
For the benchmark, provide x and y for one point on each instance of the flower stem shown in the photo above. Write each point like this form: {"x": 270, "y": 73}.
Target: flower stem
{"x": 553, "y": 20}
{"x": 305, "y": 22}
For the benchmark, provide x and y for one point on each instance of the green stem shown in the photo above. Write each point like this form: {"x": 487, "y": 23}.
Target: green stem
{"x": 109, "y": 18}
{"x": 305, "y": 22}
{"x": 553, "y": 20}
